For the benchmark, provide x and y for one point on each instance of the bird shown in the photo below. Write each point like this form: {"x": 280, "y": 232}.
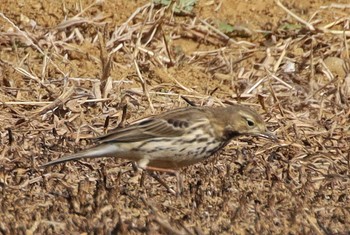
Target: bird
{"x": 176, "y": 138}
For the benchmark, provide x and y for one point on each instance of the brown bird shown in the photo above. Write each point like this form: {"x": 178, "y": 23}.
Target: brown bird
{"x": 176, "y": 138}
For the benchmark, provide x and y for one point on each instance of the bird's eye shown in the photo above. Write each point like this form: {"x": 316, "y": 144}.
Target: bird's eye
{"x": 250, "y": 123}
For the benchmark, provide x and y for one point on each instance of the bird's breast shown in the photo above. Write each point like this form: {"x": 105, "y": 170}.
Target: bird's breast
{"x": 173, "y": 152}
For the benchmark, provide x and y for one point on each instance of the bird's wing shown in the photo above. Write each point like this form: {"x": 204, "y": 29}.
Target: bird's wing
{"x": 171, "y": 124}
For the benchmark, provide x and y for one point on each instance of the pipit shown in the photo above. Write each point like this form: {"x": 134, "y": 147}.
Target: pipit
{"x": 176, "y": 138}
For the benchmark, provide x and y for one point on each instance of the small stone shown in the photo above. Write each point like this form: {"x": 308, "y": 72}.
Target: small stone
{"x": 336, "y": 66}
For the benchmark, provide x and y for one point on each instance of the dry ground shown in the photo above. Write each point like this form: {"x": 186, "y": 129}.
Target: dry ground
{"x": 67, "y": 69}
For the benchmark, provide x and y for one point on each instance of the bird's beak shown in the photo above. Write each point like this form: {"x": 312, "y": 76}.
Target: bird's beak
{"x": 268, "y": 135}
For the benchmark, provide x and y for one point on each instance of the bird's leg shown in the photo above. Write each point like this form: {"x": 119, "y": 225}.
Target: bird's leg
{"x": 152, "y": 168}
{"x": 143, "y": 164}
{"x": 151, "y": 171}
{"x": 156, "y": 177}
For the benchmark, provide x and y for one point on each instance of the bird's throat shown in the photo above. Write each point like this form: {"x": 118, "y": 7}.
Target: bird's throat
{"x": 229, "y": 134}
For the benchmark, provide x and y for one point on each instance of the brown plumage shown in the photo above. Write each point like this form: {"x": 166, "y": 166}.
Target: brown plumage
{"x": 176, "y": 138}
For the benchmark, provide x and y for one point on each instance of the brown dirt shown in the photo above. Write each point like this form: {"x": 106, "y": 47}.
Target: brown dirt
{"x": 57, "y": 90}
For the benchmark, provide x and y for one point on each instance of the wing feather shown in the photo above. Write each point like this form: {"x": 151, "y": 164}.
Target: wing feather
{"x": 165, "y": 125}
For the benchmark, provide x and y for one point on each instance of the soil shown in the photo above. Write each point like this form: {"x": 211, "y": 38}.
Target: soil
{"x": 69, "y": 68}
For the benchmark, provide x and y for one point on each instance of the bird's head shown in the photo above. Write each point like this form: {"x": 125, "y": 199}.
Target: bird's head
{"x": 246, "y": 121}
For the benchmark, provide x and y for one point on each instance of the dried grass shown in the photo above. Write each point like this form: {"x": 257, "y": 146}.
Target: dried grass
{"x": 64, "y": 84}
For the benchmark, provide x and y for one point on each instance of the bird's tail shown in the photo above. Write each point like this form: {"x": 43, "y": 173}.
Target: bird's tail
{"x": 103, "y": 150}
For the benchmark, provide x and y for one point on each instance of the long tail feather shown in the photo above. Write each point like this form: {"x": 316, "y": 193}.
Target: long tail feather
{"x": 103, "y": 150}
